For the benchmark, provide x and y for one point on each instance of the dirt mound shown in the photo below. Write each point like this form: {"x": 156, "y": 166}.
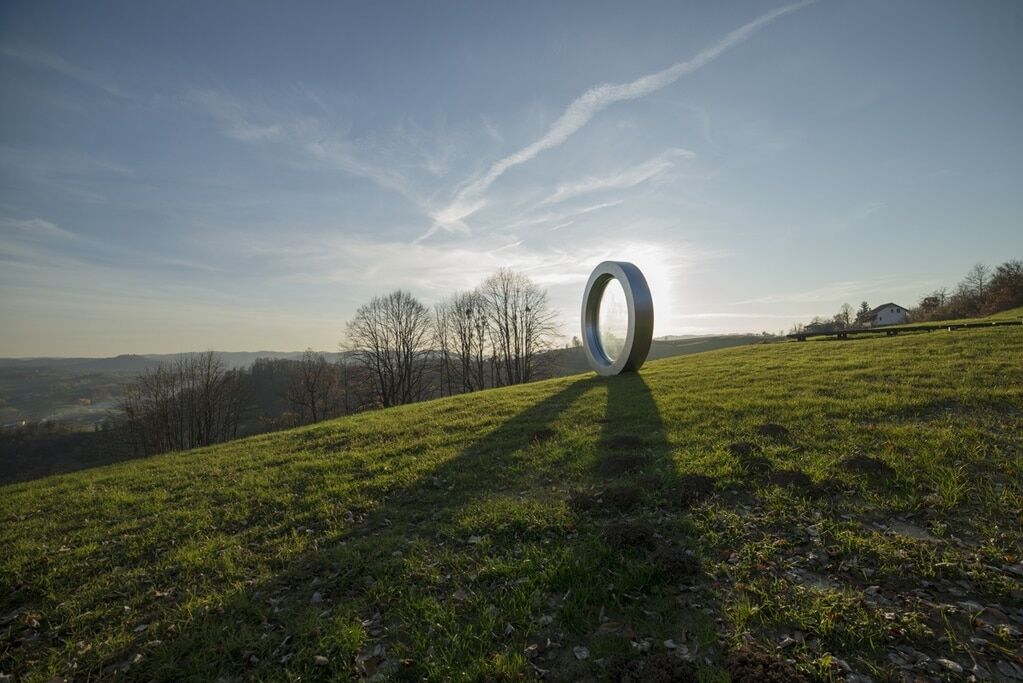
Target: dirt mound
{"x": 622, "y": 498}
{"x": 793, "y": 478}
{"x": 772, "y": 430}
{"x": 864, "y": 464}
{"x": 612, "y": 499}
{"x": 657, "y": 667}
{"x": 676, "y": 561}
{"x": 622, "y": 463}
{"x": 690, "y": 489}
{"x": 630, "y": 536}
{"x": 697, "y": 485}
{"x": 743, "y": 449}
{"x": 748, "y": 666}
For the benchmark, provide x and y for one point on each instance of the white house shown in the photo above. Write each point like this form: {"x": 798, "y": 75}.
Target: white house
{"x": 888, "y": 314}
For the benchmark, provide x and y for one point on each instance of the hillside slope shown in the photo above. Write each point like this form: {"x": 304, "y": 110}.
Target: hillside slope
{"x": 856, "y": 504}
{"x": 572, "y": 361}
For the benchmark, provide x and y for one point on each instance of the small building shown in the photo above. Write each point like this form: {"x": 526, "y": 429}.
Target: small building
{"x": 818, "y": 327}
{"x": 888, "y": 314}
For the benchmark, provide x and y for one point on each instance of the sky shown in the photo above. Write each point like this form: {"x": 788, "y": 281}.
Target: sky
{"x": 243, "y": 175}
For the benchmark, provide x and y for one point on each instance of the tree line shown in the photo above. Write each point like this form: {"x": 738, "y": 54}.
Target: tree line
{"x": 396, "y": 350}
{"x": 192, "y": 402}
{"x": 982, "y": 291}
{"x": 489, "y": 336}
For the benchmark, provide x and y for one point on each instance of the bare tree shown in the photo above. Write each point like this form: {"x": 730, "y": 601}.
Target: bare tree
{"x": 976, "y": 280}
{"x": 313, "y": 390}
{"x": 468, "y": 322}
{"x": 193, "y": 402}
{"x": 1005, "y": 289}
{"x": 390, "y": 337}
{"x": 844, "y": 316}
{"x": 520, "y": 323}
{"x": 442, "y": 327}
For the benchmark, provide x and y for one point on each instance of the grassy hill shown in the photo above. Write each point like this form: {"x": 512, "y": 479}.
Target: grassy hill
{"x": 849, "y": 506}
{"x": 1007, "y": 314}
{"x": 1001, "y": 316}
{"x": 572, "y": 361}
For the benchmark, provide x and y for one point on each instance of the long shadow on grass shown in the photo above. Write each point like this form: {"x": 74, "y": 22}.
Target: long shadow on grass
{"x": 640, "y": 513}
{"x": 633, "y": 424}
{"x": 442, "y": 578}
{"x": 478, "y": 568}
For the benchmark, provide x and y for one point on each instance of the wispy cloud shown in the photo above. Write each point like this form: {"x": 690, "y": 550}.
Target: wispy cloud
{"x": 35, "y": 227}
{"x": 59, "y": 162}
{"x": 321, "y": 256}
{"x": 72, "y": 172}
{"x": 58, "y": 64}
{"x": 236, "y": 118}
{"x": 621, "y": 179}
{"x": 558, "y": 216}
{"x": 846, "y": 289}
{"x": 37, "y": 243}
{"x": 469, "y": 198}
{"x": 307, "y": 136}
{"x": 868, "y": 209}
{"x": 752, "y": 315}
{"x": 339, "y": 155}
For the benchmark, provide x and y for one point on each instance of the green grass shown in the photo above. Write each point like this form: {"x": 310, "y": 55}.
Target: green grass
{"x": 1001, "y": 316}
{"x": 480, "y": 536}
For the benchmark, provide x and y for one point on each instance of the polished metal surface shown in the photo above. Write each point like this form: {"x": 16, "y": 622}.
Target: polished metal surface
{"x": 641, "y": 318}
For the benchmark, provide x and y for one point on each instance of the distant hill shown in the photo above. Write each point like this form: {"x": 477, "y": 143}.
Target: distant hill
{"x": 662, "y": 347}
{"x": 137, "y": 363}
{"x": 83, "y": 392}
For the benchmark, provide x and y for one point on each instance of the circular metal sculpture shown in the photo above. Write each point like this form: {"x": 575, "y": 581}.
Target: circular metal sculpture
{"x": 640, "y": 329}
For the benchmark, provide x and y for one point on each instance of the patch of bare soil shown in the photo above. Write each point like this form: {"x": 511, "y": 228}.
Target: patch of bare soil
{"x": 656, "y": 667}
{"x": 743, "y": 449}
{"x": 773, "y": 431}
{"x": 864, "y": 464}
{"x": 622, "y": 463}
{"x": 622, "y": 498}
{"x": 677, "y": 561}
{"x": 690, "y": 489}
{"x": 750, "y": 666}
{"x": 792, "y": 478}
{"x": 630, "y": 536}
{"x": 610, "y": 500}
{"x": 697, "y": 485}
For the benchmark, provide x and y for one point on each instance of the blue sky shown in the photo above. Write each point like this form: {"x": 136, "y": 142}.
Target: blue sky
{"x": 241, "y": 176}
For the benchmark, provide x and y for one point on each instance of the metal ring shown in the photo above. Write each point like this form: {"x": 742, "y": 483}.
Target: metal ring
{"x": 641, "y": 318}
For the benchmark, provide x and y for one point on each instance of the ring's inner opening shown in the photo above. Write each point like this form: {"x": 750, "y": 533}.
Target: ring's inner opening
{"x": 613, "y": 319}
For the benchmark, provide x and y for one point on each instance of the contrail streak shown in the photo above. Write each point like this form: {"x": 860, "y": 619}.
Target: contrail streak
{"x": 578, "y": 114}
